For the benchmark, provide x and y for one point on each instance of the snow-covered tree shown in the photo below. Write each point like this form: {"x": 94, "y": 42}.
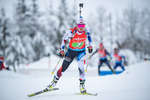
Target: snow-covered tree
{"x": 100, "y": 25}
{"x": 62, "y": 16}
{"x": 72, "y": 15}
{"x": 4, "y": 32}
{"x": 24, "y": 30}
{"x": 38, "y": 29}
{"x": 128, "y": 27}
{"x": 133, "y": 30}
{"x": 51, "y": 27}
{"x": 66, "y": 20}
{"x": 143, "y": 36}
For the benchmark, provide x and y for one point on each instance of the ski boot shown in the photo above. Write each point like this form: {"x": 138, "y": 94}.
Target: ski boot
{"x": 82, "y": 86}
{"x": 53, "y": 83}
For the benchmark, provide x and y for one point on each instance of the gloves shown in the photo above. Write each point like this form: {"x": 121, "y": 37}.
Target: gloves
{"x": 109, "y": 58}
{"x": 90, "y": 49}
{"x": 7, "y": 68}
{"x": 125, "y": 63}
{"x": 61, "y": 53}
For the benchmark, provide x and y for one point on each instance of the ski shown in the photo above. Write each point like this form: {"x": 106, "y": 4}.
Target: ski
{"x": 86, "y": 94}
{"x": 42, "y": 91}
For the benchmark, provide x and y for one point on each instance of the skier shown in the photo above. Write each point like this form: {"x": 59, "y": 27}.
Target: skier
{"x": 76, "y": 48}
{"x": 103, "y": 57}
{"x": 118, "y": 59}
{"x": 2, "y": 65}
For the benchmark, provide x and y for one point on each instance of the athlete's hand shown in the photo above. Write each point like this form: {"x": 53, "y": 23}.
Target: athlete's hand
{"x": 109, "y": 58}
{"x": 125, "y": 63}
{"x": 90, "y": 49}
{"x": 61, "y": 53}
{"x": 7, "y": 68}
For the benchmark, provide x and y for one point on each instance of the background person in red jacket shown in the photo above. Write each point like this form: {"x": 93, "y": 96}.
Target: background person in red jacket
{"x": 119, "y": 58}
{"x": 2, "y": 65}
{"x": 103, "y": 53}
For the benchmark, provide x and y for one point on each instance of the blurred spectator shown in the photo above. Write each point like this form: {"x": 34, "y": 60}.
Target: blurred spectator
{"x": 2, "y": 65}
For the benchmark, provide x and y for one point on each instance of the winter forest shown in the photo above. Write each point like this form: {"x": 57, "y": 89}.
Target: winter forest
{"x": 31, "y": 34}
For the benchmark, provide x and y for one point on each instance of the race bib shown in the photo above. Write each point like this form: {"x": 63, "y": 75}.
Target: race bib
{"x": 101, "y": 55}
{"x": 116, "y": 58}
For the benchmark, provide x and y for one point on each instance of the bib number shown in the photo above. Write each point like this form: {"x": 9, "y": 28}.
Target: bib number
{"x": 101, "y": 55}
{"x": 117, "y": 59}
{"x": 77, "y": 44}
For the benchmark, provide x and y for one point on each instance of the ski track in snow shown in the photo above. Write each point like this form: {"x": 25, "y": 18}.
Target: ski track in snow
{"x": 133, "y": 84}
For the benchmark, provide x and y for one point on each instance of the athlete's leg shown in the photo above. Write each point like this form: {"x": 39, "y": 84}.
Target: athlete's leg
{"x": 122, "y": 67}
{"x": 108, "y": 64}
{"x": 115, "y": 67}
{"x": 81, "y": 59}
{"x": 99, "y": 66}
{"x": 67, "y": 61}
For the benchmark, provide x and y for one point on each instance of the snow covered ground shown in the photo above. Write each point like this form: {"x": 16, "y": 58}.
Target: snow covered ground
{"x": 133, "y": 84}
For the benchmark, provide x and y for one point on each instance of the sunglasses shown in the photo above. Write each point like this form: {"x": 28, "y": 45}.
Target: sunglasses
{"x": 81, "y": 25}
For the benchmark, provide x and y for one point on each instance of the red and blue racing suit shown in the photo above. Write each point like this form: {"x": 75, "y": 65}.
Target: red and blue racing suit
{"x": 118, "y": 61}
{"x": 76, "y": 49}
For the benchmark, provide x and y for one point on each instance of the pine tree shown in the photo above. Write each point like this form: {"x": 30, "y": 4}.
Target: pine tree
{"x": 133, "y": 31}
{"x": 51, "y": 28}
{"x": 73, "y": 15}
{"x": 38, "y": 32}
{"x": 8, "y": 41}
{"x": 4, "y": 32}
{"x": 66, "y": 20}
{"x": 62, "y": 16}
{"x": 24, "y": 29}
{"x": 129, "y": 28}
{"x": 100, "y": 25}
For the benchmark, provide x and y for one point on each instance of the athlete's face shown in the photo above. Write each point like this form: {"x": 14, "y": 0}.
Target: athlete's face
{"x": 80, "y": 27}
{"x": 101, "y": 47}
{"x": 115, "y": 51}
